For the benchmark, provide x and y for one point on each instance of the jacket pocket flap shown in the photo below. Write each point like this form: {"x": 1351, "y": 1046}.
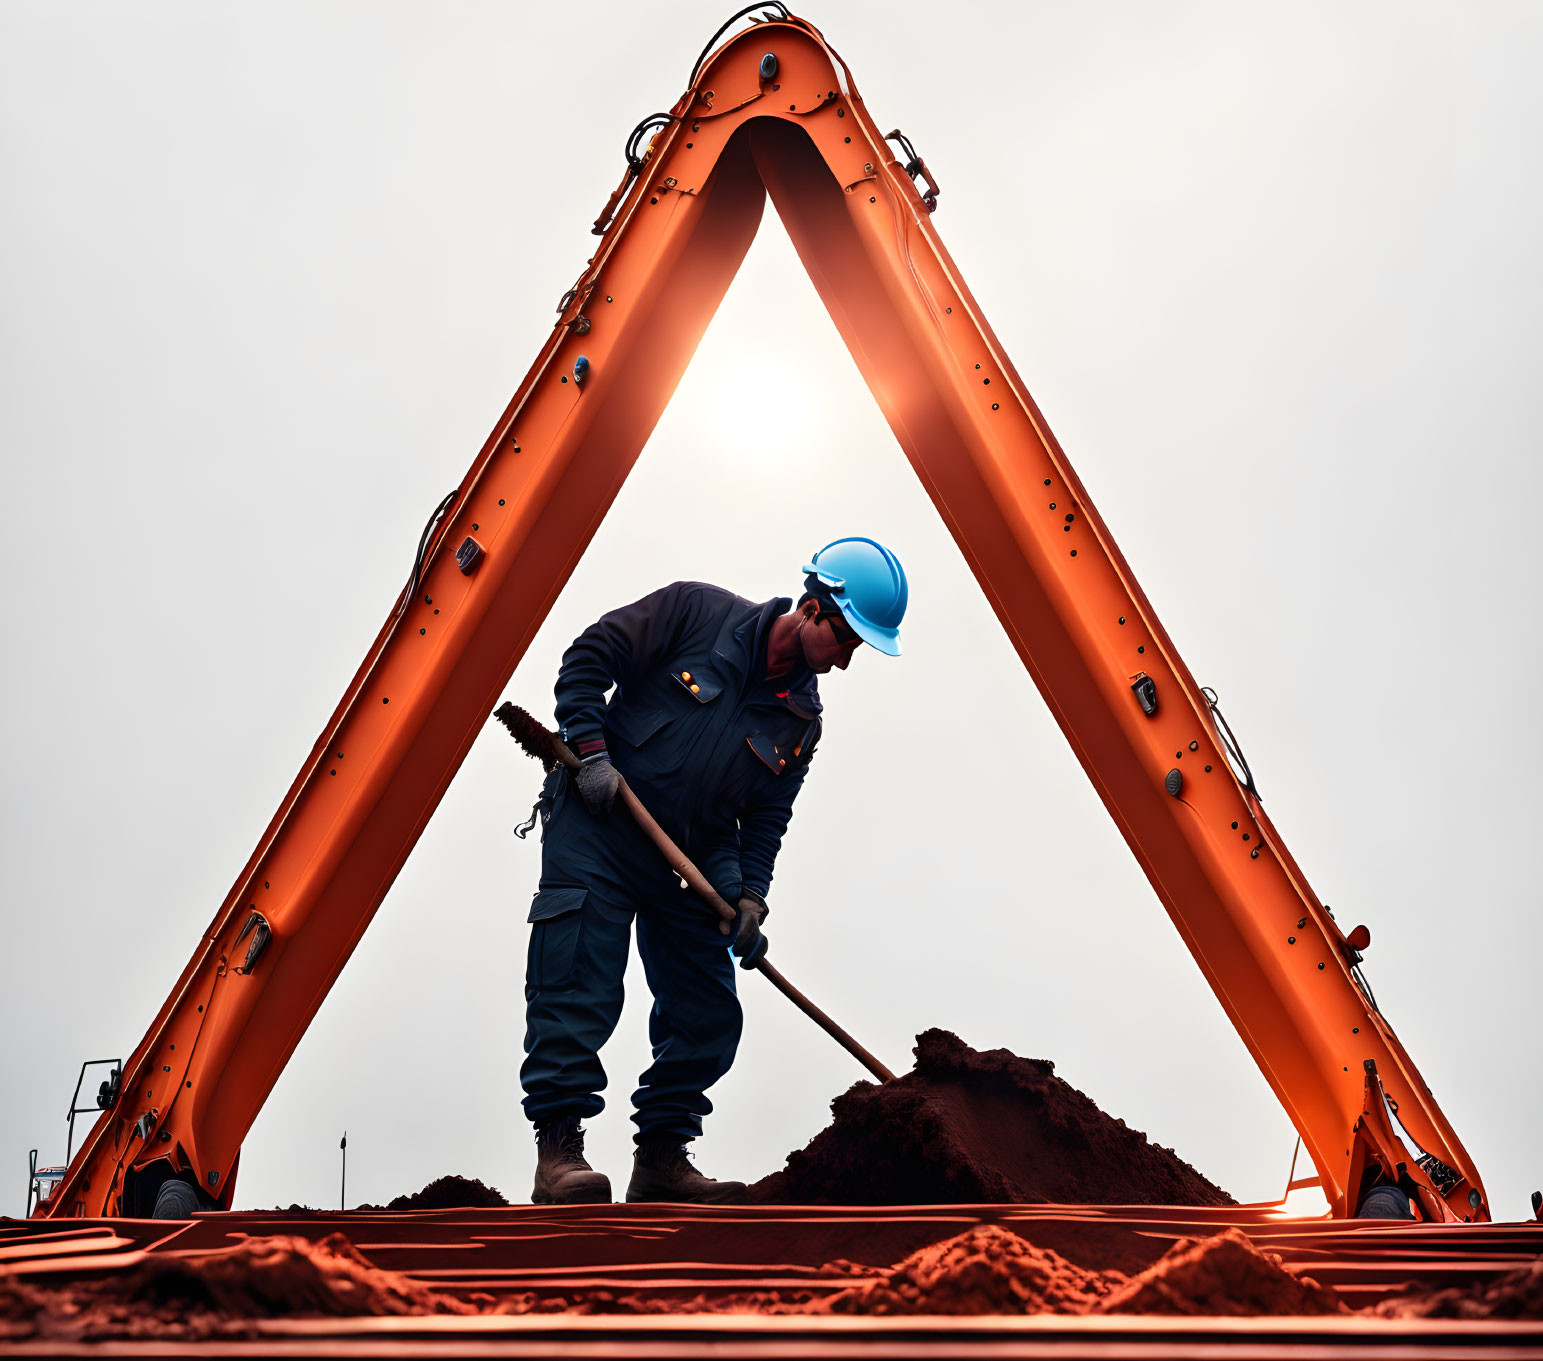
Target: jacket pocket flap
{"x": 634, "y": 724}
{"x": 771, "y": 753}
{"x": 696, "y": 680}
{"x": 555, "y": 902}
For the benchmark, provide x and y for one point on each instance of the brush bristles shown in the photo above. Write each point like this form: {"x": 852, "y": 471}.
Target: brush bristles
{"x": 534, "y": 739}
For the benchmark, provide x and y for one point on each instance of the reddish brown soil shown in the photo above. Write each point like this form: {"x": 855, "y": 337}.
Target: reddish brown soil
{"x": 443, "y": 1193}
{"x": 450, "y": 1193}
{"x": 970, "y": 1127}
{"x": 1218, "y": 1276}
{"x": 218, "y": 1293}
{"x": 1516, "y": 1295}
{"x": 985, "y": 1271}
{"x": 992, "y": 1271}
{"x": 989, "y": 1270}
{"x": 20, "y": 1302}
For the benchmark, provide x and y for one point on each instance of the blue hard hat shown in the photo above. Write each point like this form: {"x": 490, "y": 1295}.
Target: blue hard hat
{"x": 867, "y": 581}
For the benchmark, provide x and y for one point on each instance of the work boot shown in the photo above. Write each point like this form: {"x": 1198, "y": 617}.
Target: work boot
{"x": 563, "y": 1174}
{"x": 662, "y": 1171}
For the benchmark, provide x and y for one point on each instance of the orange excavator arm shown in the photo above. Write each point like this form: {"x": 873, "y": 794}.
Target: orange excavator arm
{"x": 773, "y": 109}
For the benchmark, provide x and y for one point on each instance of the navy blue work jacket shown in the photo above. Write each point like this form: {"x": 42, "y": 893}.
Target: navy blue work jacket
{"x": 716, "y": 752}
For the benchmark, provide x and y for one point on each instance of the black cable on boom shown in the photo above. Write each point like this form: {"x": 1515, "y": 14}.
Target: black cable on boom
{"x": 1231, "y": 743}
{"x": 766, "y": 5}
{"x": 633, "y": 150}
{"x": 635, "y": 138}
{"x": 423, "y": 549}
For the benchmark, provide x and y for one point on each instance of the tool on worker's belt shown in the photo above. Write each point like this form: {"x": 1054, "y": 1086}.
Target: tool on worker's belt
{"x": 538, "y": 741}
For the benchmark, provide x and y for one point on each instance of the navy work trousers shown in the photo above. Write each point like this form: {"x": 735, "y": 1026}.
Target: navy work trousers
{"x": 579, "y": 944}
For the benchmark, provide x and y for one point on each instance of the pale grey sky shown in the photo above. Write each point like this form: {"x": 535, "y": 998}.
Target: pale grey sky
{"x": 1272, "y": 273}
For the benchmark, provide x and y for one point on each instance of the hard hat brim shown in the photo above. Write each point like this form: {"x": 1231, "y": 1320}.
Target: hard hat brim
{"x": 886, "y": 641}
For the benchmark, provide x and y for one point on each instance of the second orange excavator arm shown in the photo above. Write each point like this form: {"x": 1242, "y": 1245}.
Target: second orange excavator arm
{"x": 772, "y": 110}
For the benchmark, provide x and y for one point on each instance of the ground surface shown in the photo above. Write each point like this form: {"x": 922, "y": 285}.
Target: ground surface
{"x": 946, "y": 1211}
{"x": 798, "y": 1280}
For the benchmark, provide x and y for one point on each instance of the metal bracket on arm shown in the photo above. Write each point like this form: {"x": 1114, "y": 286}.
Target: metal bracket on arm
{"x": 1376, "y": 1141}
{"x": 261, "y": 933}
{"x": 915, "y": 166}
{"x": 655, "y": 122}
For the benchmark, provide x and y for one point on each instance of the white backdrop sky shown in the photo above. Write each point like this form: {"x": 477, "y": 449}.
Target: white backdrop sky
{"x": 269, "y": 275}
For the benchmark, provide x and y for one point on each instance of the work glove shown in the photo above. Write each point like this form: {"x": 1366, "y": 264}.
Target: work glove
{"x": 597, "y": 782}
{"x": 749, "y": 944}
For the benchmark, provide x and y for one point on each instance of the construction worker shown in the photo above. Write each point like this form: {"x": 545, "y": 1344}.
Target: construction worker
{"x": 713, "y": 722}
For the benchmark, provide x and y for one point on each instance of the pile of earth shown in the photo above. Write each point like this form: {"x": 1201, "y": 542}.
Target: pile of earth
{"x": 967, "y": 1127}
{"x": 220, "y": 1293}
{"x": 989, "y": 1270}
{"x": 1221, "y": 1276}
{"x": 447, "y": 1193}
{"x": 443, "y": 1193}
{"x": 1517, "y": 1294}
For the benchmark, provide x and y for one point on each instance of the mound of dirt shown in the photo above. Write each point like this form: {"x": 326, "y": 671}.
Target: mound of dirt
{"x": 1516, "y": 1295}
{"x": 20, "y": 1302}
{"x": 200, "y": 1295}
{"x": 990, "y": 1270}
{"x": 447, "y": 1193}
{"x": 1225, "y": 1275}
{"x": 970, "y": 1127}
{"x": 985, "y": 1271}
{"x": 274, "y": 1277}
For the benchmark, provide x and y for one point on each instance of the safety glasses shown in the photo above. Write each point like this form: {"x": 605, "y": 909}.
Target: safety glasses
{"x": 840, "y": 629}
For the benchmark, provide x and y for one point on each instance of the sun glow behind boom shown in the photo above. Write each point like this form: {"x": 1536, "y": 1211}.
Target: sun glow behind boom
{"x": 761, "y": 406}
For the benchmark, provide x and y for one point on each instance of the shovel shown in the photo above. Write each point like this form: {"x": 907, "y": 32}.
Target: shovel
{"x": 551, "y": 751}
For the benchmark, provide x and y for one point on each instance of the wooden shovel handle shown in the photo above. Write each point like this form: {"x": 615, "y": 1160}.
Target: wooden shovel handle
{"x": 681, "y": 864}
{"x": 667, "y": 848}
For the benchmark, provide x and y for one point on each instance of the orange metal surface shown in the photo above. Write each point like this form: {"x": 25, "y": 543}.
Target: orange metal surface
{"x": 533, "y": 499}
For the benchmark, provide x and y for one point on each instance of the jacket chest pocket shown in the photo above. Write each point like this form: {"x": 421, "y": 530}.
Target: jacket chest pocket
{"x": 783, "y": 746}
{"x": 697, "y": 680}
{"x": 672, "y": 699}
{"x": 769, "y": 752}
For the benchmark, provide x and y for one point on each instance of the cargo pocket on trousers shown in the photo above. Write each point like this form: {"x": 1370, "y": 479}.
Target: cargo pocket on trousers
{"x": 556, "y": 917}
